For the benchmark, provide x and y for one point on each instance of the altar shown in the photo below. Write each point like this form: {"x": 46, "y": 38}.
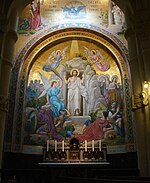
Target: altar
{"x": 74, "y": 152}
{"x": 74, "y": 159}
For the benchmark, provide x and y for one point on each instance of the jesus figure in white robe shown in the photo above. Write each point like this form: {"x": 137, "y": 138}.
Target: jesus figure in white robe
{"x": 76, "y": 89}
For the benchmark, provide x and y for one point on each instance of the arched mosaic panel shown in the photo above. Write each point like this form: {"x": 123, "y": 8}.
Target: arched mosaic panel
{"x": 64, "y": 79}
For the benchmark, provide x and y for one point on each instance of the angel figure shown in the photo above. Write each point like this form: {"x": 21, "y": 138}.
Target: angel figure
{"x": 54, "y": 60}
{"x": 97, "y": 59}
{"x": 52, "y": 90}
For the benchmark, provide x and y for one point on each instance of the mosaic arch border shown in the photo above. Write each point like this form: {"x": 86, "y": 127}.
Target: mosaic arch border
{"x": 36, "y": 44}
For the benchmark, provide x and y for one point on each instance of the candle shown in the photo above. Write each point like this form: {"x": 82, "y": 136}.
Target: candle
{"x": 55, "y": 145}
{"x": 92, "y": 145}
{"x": 86, "y": 145}
{"x": 100, "y": 145}
{"x": 47, "y": 145}
{"x": 63, "y": 146}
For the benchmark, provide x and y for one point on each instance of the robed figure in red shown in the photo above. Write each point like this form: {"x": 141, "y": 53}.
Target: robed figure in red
{"x": 35, "y": 18}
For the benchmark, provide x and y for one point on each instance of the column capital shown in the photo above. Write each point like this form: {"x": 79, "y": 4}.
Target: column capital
{"x": 3, "y": 103}
{"x": 12, "y": 34}
{"x": 129, "y": 32}
{"x": 7, "y": 62}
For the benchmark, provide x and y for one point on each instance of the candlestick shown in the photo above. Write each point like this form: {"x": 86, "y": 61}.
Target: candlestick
{"x": 63, "y": 146}
{"x": 100, "y": 145}
{"x": 55, "y": 145}
{"x": 92, "y": 145}
{"x": 86, "y": 145}
{"x": 47, "y": 145}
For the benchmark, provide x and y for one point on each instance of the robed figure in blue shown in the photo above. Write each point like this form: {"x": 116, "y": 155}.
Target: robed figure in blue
{"x": 56, "y": 104}
{"x": 52, "y": 91}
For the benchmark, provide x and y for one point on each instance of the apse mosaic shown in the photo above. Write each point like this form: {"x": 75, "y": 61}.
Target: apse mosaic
{"x": 74, "y": 89}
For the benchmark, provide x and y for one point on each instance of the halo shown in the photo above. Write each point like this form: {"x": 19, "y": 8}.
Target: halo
{"x": 58, "y": 51}
{"x": 53, "y": 80}
{"x": 93, "y": 51}
{"x": 107, "y": 76}
{"x": 74, "y": 69}
{"x": 101, "y": 77}
{"x": 114, "y": 76}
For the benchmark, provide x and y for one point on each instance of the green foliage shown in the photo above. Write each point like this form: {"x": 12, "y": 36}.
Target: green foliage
{"x": 36, "y": 102}
{"x": 26, "y": 31}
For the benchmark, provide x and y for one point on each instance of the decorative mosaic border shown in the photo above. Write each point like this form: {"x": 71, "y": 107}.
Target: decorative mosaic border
{"x": 128, "y": 111}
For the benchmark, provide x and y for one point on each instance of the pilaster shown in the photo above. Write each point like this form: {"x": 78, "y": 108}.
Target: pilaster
{"x": 138, "y": 37}
{"x": 8, "y": 38}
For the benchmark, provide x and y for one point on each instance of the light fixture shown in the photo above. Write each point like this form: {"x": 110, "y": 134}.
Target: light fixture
{"x": 146, "y": 84}
{"x": 140, "y": 100}
{"x": 146, "y": 92}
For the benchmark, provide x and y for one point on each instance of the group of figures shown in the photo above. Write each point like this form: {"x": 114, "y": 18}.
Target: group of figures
{"x": 111, "y": 89}
{"x": 111, "y": 120}
{"x": 76, "y": 90}
{"x": 76, "y": 81}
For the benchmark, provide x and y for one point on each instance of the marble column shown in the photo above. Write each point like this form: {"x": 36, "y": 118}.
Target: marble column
{"x": 3, "y": 99}
{"x": 7, "y": 50}
{"x": 138, "y": 37}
